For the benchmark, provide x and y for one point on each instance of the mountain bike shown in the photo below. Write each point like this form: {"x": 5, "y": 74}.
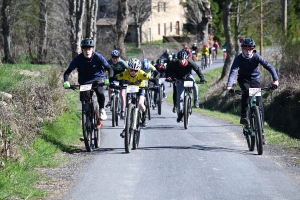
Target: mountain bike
{"x": 214, "y": 53}
{"x": 203, "y": 60}
{"x": 194, "y": 56}
{"x": 91, "y": 122}
{"x": 160, "y": 94}
{"x": 115, "y": 104}
{"x": 133, "y": 119}
{"x": 253, "y": 131}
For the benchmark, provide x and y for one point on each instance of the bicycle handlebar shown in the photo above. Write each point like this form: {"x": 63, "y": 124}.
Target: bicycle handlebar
{"x": 240, "y": 92}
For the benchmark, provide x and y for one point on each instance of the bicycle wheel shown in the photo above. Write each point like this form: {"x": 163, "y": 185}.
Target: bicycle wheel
{"x": 186, "y": 110}
{"x": 118, "y": 110}
{"x": 160, "y": 95}
{"x": 250, "y": 140}
{"x": 96, "y": 130}
{"x": 147, "y": 102}
{"x": 136, "y": 136}
{"x": 256, "y": 126}
{"x": 128, "y": 128}
{"x": 114, "y": 109}
{"x": 87, "y": 127}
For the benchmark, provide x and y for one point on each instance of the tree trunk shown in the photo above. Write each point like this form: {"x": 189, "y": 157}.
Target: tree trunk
{"x": 91, "y": 28}
{"x": 6, "y": 21}
{"x": 121, "y": 25}
{"x": 76, "y": 12}
{"x": 42, "y": 45}
{"x": 229, "y": 43}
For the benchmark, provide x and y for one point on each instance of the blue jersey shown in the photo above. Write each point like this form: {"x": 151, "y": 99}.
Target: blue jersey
{"x": 89, "y": 70}
{"x": 248, "y": 68}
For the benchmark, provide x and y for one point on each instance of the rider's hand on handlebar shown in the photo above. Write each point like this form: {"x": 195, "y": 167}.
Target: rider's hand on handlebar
{"x": 66, "y": 84}
{"x": 273, "y": 87}
{"x": 168, "y": 79}
{"x": 203, "y": 81}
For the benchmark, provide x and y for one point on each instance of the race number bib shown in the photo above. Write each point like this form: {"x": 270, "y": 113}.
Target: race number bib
{"x": 132, "y": 88}
{"x": 188, "y": 83}
{"x": 254, "y": 91}
{"x": 85, "y": 87}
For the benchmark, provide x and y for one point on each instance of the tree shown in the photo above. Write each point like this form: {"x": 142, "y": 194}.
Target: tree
{"x": 198, "y": 14}
{"x": 122, "y": 26}
{"x": 228, "y": 37}
{"x": 141, "y": 10}
{"x": 76, "y": 12}
{"x": 91, "y": 28}
{"x": 42, "y": 45}
{"x": 6, "y": 31}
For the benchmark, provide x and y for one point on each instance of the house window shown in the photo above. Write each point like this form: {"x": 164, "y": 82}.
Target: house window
{"x": 102, "y": 8}
{"x": 158, "y": 29}
{"x": 165, "y": 29}
{"x": 161, "y": 6}
{"x": 177, "y": 28}
{"x": 170, "y": 26}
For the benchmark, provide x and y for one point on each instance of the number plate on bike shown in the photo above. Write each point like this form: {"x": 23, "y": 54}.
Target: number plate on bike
{"x": 116, "y": 83}
{"x": 161, "y": 80}
{"x": 85, "y": 87}
{"x": 254, "y": 91}
{"x": 188, "y": 83}
{"x": 132, "y": 88}
{"x": 193, "y": 52}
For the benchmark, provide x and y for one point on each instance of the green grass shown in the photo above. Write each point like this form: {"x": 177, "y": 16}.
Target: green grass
{"x": 18, "y": 177}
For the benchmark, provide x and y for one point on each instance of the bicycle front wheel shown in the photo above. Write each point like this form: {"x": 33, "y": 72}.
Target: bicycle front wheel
{"x": 250, "y": 140}
{"x": 186, "y": 110}
{"x": 256, "y": 126}
{"x": 114, "y": 109}
{"x": 129, "y": 128}
{"x": 160, "y": 96}
{"x": 96, "y": 129}
{"x": 147, "y": 102}
{"x": 87, "y": 127}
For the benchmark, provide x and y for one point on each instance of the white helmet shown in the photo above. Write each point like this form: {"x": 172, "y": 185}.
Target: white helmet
{"x": 134, "y": 64}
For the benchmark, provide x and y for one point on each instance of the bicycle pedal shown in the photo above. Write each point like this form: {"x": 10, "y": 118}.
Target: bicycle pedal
{"x": 81, "y": 139}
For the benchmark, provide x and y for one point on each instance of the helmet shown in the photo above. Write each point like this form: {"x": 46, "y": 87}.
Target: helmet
{"x": 115, "y": 53}
{"x": 182, "y": 55}
{"x": 161, "y": 62}
{"x": 170, "y": 56}
{"x": 195, "y": 43}
{"x": 87, "y": 42}
{"x": 145, "y": 64}
{"x": 248, "y": 42}
{"x": 206, "y": 45}
{"x": 167, "y": 50}
{"x": 134, "y": 64}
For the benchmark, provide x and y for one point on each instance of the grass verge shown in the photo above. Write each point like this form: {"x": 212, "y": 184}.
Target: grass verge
{"x": 17, "y": 178}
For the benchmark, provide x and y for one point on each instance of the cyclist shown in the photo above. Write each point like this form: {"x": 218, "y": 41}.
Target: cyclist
{"x": 187, "y": 50}
{"x": 195, "y": 50}
{"x": 161, "y": 69}
{"x": 205, "y": 53}
{"x": 217, "y": 46}
{"x": 91, "y": 68}
{"x": 166, "y": 54}
{"x": 135, "y": 76}
{"x": 246, "y": 65}
{"x": 182, "y": 70}
{"x": 118, "y": 65}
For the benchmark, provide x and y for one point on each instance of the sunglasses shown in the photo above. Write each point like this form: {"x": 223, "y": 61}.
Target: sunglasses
{"x": 133, "y": 70}
{"x": 248, "y": 48}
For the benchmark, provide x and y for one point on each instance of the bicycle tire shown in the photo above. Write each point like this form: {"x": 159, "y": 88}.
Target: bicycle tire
{"x": 114, "y": 108}
{"x": 256, "y": 125}
{"x": 136, "y": 136}
{"x": 250, "y": 140}
{"x": 97, "y": 131}
{"x": 160, "y": 95}
{"x": 128, "y": 127}
{"x": 148, "y": 105}
{"x": 87, "y": 128}
{"x": 186, "y": 112}
{"x": 118, "y": 111}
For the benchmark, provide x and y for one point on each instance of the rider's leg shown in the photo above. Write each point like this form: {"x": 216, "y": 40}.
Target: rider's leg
{"x": 244, "y": 85}
{"x": 195, "y": 92}
{"x": 101, "y": 100}
{"x": 142, "y": 106}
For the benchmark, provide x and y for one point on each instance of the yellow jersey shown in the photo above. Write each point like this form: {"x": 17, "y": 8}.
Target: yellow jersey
{"x": 205, "y": 51}
{"x": 138, "y": 79}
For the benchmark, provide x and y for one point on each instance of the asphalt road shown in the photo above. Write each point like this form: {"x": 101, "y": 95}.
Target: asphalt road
{"x": 209, "y": 161}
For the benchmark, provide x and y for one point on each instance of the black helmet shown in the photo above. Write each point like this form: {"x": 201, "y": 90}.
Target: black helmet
{"x": 182, "y": 55}
{"x": 87, "y": 42}
{"x": 115, "y": 53}
{"x": 248, "y": 42}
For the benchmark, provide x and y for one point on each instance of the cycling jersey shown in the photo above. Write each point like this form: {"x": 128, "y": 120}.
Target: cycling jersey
{"x": 138, "y": 79}
{"x": 119, "y": 67}
{"x": 175, "y": 70}
{"x": 150, "y": 69}
{"x": 89, "y": 70}
{"x": 205, "y": 51}
{"x": 248, "y": 68}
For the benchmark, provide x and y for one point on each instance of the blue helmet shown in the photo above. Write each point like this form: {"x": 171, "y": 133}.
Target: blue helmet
{"x": 248, "y": 42}
{"x": 87, "y": 42}
{"x": 182, "y": 55}
{"x": 145, "y": 64}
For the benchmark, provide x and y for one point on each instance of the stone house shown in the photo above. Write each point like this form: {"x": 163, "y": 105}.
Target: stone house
{"x": 166, "y": 19}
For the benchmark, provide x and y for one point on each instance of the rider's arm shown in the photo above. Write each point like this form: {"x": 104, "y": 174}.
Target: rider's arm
{"x": 268, "y": 67}
{"x": 71, "y": 67}
{"x": 196, "y": 68}
{"x": 233, "y": 70}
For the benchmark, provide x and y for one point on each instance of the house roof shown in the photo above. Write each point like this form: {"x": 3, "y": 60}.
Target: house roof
{"x": 112, "y": 21}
